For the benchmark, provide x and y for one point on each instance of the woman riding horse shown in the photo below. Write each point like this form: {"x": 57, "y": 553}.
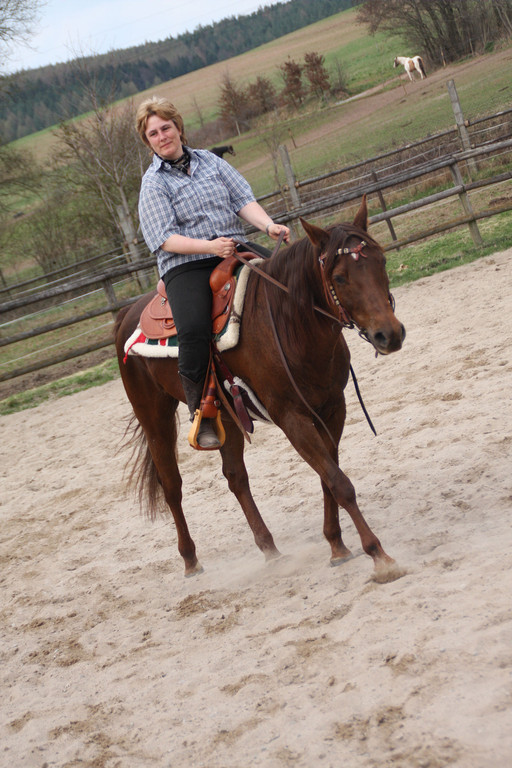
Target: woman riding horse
{"x": 190, "y": 207}
{"x": 292, "y": 355}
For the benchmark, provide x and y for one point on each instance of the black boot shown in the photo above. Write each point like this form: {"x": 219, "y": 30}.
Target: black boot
{"x": 206, "y": 436}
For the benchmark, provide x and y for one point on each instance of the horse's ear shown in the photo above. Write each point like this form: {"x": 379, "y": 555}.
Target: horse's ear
{"x": 361, "y": 219}
{"x": 317, "y": 236}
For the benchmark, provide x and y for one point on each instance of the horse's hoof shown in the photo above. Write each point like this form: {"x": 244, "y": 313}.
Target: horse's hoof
{"x": 387, "y": 570}
{"x": 198, "y": 569}
{"x": 277, "y": 561}
{"x": 272, "y": 554}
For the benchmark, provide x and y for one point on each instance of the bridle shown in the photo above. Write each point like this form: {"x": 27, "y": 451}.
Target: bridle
{"x": 331, "y": 295}
{"x": 332, "y": 298}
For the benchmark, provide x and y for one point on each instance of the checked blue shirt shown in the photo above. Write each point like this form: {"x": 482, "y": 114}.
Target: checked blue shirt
{"x": 203, "y": 205}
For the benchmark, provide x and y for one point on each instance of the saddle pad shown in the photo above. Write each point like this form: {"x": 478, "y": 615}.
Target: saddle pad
{"x": 139, "y": 344}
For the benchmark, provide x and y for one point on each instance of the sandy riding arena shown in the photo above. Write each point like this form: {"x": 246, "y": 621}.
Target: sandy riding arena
{"x": 110, "y": 658}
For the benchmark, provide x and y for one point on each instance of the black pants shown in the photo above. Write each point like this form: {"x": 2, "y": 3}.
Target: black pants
{"x": 190, "y": 298}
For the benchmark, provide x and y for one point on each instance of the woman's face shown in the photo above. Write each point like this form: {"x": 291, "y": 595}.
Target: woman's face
{"x": 164, "y": 138}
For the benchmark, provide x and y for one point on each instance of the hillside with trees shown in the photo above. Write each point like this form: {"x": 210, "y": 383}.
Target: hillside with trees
{"x": 441, "y": 30}
{"x": 33, "y": 100}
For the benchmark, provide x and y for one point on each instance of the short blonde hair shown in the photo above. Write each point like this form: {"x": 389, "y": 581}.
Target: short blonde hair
{"x": 157, "y": 105}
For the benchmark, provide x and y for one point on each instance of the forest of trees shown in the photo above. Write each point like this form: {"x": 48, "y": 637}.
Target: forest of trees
{"x": 441, "y": 30}
{"x": 36, "y": 99}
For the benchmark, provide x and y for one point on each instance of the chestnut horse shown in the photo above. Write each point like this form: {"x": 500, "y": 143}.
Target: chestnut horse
{"x": 292, "y": 355}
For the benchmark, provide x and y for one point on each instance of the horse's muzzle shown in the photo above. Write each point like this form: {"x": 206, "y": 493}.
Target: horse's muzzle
{"x": 387, "y": 340}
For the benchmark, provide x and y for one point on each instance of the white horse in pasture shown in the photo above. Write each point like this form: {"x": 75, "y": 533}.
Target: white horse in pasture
{"x": 410, "y": 65}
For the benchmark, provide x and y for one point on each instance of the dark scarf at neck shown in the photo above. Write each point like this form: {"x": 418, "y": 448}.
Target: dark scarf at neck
{"x": 182, "y": 163}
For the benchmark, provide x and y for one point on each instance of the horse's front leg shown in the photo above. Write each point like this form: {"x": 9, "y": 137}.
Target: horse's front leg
{"x": 332, "y": 530}
{"x": 233, "y": 468}
{"x": 306, "y": 439}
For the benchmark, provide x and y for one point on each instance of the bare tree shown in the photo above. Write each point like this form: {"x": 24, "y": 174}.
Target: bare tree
{"x": 105, "y": 160}
{"x": 232, "y": 104}
{"x": 340, "y": 84}
{"x": 17, "y": 19}
{"x": 261, "y": 96}
{"x": 19, "y": 174}
{"x": 55, "y": 233}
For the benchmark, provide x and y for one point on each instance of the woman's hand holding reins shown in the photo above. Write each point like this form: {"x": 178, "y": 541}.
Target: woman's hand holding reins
{"x": 223, "y": 247}
{"x": 273, "y": 230}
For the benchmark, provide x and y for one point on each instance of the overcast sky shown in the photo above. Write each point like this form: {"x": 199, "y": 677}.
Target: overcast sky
{"x": 68, "y": 28}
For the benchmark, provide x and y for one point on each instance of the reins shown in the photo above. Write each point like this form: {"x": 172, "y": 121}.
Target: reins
{"x": 277, "y": 283}
{"x": 342, "y": 319}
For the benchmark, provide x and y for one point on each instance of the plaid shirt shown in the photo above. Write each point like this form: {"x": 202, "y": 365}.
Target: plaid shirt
{"x": 203, "y": 205}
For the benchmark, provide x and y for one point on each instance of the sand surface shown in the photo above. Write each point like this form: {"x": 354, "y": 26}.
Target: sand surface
{"x": 110, "y": 658}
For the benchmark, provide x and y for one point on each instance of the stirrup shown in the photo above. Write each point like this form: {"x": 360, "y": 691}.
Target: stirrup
{"x": 194, "y": 431}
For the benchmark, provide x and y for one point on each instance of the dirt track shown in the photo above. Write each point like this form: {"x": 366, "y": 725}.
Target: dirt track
{"x": 111, "y": 659}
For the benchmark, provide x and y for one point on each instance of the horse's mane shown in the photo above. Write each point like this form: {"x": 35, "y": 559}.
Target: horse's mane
{"x": 298, "y": 268}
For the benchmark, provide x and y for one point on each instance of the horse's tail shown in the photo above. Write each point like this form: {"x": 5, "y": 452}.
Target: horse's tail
{"x": 422, "y": 66}
{"x": 143, "y": 478}
{"x": 119, "y": 319}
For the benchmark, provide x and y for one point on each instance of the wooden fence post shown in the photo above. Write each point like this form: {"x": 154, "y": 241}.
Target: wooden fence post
{"x": 384, "y": 208}
{"x": 291, "y": 182}
{"x": 4, "y": 283}
{"x": 461, "y": 124}
{"x": 290, "y": 176}
{"x": 130, "y": 237}
{"x": 111, "y": 296}
{"x": 466, "y": 204}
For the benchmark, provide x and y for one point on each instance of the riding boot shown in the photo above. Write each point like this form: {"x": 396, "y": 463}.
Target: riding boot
{"x": 206, "y": 436}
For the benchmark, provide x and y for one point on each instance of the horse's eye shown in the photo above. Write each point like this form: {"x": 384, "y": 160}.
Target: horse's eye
{"x": 339, "y": 279}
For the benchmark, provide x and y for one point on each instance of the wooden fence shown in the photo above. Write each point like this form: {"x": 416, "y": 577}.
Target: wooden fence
{"x": 23, "y": 307}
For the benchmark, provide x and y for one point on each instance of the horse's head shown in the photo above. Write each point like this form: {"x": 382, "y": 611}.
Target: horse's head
{"x": 353, "y": 269}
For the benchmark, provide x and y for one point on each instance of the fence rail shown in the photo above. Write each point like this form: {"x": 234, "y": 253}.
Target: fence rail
{"x": 15, "y": 310}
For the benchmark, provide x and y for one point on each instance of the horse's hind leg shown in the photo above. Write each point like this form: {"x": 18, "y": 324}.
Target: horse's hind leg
{"x": 233, "y": 468}
{"x": 159, "y": 425}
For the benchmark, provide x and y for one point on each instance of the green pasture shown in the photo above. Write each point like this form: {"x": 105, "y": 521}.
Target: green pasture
{"x": 31, "y": 398}
{"x": 333, "y": 135}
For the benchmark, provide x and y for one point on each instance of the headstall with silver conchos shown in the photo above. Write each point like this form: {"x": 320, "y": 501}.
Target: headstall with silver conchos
{"x": 355, "y": 252}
